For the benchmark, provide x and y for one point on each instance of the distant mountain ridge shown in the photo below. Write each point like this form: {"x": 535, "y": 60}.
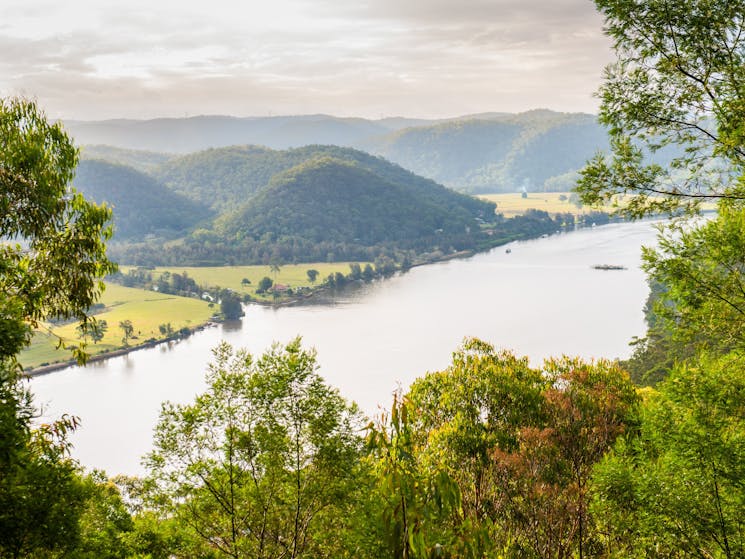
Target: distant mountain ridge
{"x": 489, "y": 152}
{"x": 505, "y": 153}
{"x": 187, "y": 135}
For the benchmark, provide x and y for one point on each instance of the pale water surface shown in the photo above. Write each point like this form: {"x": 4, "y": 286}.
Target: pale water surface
{"x": 542, "y": 299}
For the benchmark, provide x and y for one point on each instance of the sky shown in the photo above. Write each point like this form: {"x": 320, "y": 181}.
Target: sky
{"x": 96, "y": 59}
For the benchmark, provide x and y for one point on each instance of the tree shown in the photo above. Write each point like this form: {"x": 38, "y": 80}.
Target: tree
{"x": 127, "y": 329}
{"x": 264, "y": 285}
{"x": 274, "y": 268}
{"x": 312, "y": 275}
{"x": 245, "y": 281}
{"x": 106, "y": 524}
{"x": 260, "y": 460}
{"x": 55, "y": 273}
{"x": 93, "y": 329}
{"x": 676, "y": 89}
{"x": 703, "y": 271}
{"x": 368, "y": 274}
{"x": 415, "y": 499}
{"x": 520, "y": 443}
{"x": 355, "y": 272}
{"x": 230, "y": 305}
{"x": 41, "y": 493}
{"x": 477, "y": 404}
{"x": 675, "y": 487}
{"x": 99, "y": 331}
{"x": 165, "y": 329}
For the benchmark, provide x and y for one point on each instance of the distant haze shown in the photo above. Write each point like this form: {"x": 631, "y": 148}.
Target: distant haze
{"x": 87, "y": 60}
{"x": 490, "y": 152}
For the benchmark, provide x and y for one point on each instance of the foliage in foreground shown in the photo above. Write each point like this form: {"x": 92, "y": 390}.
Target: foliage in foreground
{"x": 50, "y": 265}
{"x": 490, "y": 456}
{"x": 263, "y": 461}
{"x": 677, "y": 82}
{"x": 675, "y": 488}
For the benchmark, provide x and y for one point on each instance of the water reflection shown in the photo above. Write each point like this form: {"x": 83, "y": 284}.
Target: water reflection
{"x": 231, "y": 325}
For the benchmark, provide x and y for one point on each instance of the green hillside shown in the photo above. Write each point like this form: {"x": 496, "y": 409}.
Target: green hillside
{"x": 334, "y": 204}
{"x": 254, "y": 205}
{"x": 501, "y": 153}
{"x": 333, "y": 200}
{"x": 142, "y": 206}
{"x": 221, "y": 178}
{"x": 225, "y": 178}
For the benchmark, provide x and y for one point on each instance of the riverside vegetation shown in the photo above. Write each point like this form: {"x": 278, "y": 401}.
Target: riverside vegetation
{"x": 488, "y": 458}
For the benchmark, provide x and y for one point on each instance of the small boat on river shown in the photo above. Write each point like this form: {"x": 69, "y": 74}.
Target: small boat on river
{"x": 608, "y": 267}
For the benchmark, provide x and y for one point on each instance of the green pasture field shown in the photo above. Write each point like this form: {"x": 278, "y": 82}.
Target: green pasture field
{"x": 231, "y": 277}
{"x": 513, "y": 204}
{"x": 147, "y": 310}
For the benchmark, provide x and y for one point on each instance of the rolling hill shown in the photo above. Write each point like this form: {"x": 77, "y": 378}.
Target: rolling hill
{"x": 503, "y": 153}
{"x": 316, "y": 203}
{"x": 225, "y": 178}
{"x": 142, "y": 206}
{"x": 490, "y": 152}
{"x": 336, "y": 200}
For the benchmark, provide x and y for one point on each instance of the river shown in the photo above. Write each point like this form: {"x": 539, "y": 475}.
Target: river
{"x": 542, "y": 298}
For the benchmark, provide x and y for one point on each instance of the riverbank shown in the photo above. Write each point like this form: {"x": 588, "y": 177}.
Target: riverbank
{"x": 148, "y": 320}
{"x": 108, "y": 354}
{"x": 148, "y": 317}
{"x": 43, "y": 357}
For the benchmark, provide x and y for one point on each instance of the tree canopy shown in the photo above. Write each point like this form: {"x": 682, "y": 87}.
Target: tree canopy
{"x": 677, "y": 85}
{"x": 676, "y": 489}
{"x": 51, "y": 261}
{"x": 258, "y": 464}
{"x": 54, "y": 251}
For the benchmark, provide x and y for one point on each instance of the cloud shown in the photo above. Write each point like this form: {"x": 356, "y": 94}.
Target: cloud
{"x": 381, "y": 57}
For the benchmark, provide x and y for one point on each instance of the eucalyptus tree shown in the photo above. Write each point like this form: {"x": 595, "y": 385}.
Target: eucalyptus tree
{"x": 676, "y": 89}
{"x": 52, "y": 258}
{"x": 520, "y": 443}
{"x": 259, "y": 463}
{"x": 675, "y": 488}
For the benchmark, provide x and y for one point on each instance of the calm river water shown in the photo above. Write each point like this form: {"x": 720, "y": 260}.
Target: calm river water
{"x": 541, "y": 299}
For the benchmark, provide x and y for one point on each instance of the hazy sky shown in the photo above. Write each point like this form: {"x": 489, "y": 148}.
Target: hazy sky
{"x": 90, "y": 59}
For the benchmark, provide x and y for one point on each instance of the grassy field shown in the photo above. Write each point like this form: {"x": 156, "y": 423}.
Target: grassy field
{"x": 231, "y": 277}
{"x": 147, "y": 310}
{"x": 514, "y": 204}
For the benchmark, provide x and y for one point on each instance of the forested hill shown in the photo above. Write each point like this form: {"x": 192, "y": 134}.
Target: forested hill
{"x": 537, "y": 150}
{"x": 251, "y": 204}
{"x": 225, "y": 178}
{"x": 319, "y": 203}
{"x": 490, "y": 152}
{"x": 142, "y": 206}
{"x": 342, "y": 201}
